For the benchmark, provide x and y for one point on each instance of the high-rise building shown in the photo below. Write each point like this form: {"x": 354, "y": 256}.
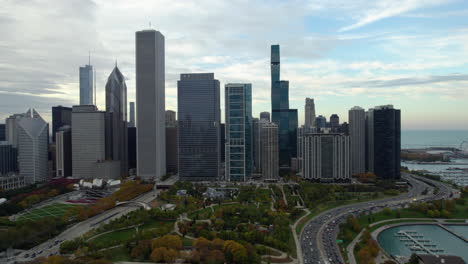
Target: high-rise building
{"x": 265, "y": 116}
{"x": 88, "y": 140}
{"x": 11, "y": 128}
{"x": 172, "y": 149}
{"x": 384, "y": 142}
{"x": 357, "y": 133}
{"x": 86, "y": 85}
{"x": 334, "y": 123}
{"x": 320, "y": 122}
{"x": 132, "y": 115}
{"x": 255, "y": 144}
{"x": 63, "y": 148}
{"x": 33, "y": 141}
{"x": 171, "y": 120}
{"x": 150, "y": 100}
{"x": 238, "y": 99}
{"x": 222, "y": 138}
{"x": 198, "y": 97}
{"x": 132, "y": 153}
{"x": 301, "y": 131}
{"x": 61, "y": 116}
{"x": 270, "y": 149}
{"x": 285, "y": 118}
{"x": 2, "y": 132}
{"x": 344, "y": 128}
{"x": 116, "y": 120}
{"x": 326, "y": 157}
{"x": 309, "y": 110}
{"x": 8, "y": 158}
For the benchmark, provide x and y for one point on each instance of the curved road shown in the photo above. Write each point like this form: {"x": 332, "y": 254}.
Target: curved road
{"x": 318, "y": 238}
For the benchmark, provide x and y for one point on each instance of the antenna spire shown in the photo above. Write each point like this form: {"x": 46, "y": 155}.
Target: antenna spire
{"x": 89, "y": 57}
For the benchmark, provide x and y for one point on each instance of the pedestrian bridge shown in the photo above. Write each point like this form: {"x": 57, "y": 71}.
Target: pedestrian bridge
{"x": 135, "y": 203}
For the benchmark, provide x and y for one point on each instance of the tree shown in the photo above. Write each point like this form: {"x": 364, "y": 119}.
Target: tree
{"x": 158, "y": 254}
{"x": 169, "y": 241}
{"x": 235, "y": 252}
{"x": 201, "y": 243}
{"x": 215, "y": 257}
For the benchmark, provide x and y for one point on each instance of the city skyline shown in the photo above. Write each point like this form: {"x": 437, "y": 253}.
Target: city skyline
{"x": 359, "y": 59}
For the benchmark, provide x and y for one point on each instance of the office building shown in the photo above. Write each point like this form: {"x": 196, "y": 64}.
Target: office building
{"x": 33, "y": 141}
{"x": 171, "y": 120}
{"x": 132, "y": 153}
{"x": 63, "y": 148}
{"x": 61, "y": 116}
{"x": 8, "y": 159}
{"x": 309, "y": 110}
{"x": 2, "y": 132}
{"x": 281, "y": 114}
{"x": 301, "y": 131}
{"x": 265, "y": 116}
{"x": 116, "y": 120}
{"x": 357, "y": 134}
{"x": 255, "y": 145}
{"x": 320, "y": 122}
{"x": 344, "y": 128}
{"x": 238, "y": 98}
{"x": 172, "y": 148}
{"x": 88, "y": 140}
{"x": 87, "y": 85}
{"x": 11, "y": 125}
{"x": 384, "y": 142}
{"x": 222, "y": 138}
{"x": 326, "y": 157}
{"x": 12, "y": 182}
{"x": 198, "y": 97}
{"x": 150, "y": 100}
{"x": 270, "y": 149}
{"x": 334, "y": 123}
{"x": 132, "y": 115}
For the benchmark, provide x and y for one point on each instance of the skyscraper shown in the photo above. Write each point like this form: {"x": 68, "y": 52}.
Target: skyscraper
{"x": 198, "y": 98}
{"x": 285, "y": 118}
{"x": 326, "y": 157}
{"x": 86, "y": 85}
{"x": 11, "y": 128}
{"x": 63, "y": 146}
{"x": 309, "y": 111}
{"x": 357, "y": 133}
{"x": 172, "y": 148}
{"x": 150, "y": 100}
{"x": 265, "y": 116}
{"x": 238, "y": 98}
{"x": 270, "y": 155}
{"x": 171, "y": 120}
{"x": 32, "y": 147}
{"x": 320, "y": 122}
{"x": 61, "y": 116}
{"x": 88, "y": 140}
{"x": 255, "y": 144}
{"x": 132, "y": 152}
{"x": 384, "y": 142}
{"x": 116, "y": 120}
{"x": 2, "y": 132}
{"x": 132, "y": 115}
{"x": 334, "y": 123}
{"x": 8, "y": 158}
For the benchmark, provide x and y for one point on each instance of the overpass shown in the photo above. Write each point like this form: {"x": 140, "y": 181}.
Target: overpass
{"x": 137, "y": 203}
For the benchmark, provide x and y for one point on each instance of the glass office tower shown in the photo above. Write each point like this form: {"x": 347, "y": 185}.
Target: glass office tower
{"x": 238, "y": 131}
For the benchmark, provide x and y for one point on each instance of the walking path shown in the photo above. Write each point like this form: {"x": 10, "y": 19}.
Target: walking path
{"x": 300, "y": 258}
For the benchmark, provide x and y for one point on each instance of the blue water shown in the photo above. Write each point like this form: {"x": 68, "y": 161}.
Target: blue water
{"x": 451, "y": 244}
{"x": 459, "y": 229}
{"x": 432, "y": 138}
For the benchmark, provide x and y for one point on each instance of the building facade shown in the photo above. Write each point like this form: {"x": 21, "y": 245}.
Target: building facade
{"x": 357, "y": 134}
{"x": 198, "y": 97}
{"x": 86, "y": 85}
{"x": 238, "y": 99}
{"x": 150, "y": 100}
{"x": 335, "y": 123}
{"x": 320, "y": 122}
{"x": 116, "y": 120}
{"x": 132, "y": 153}
{"x": 384, "y": 142}
{"x": 2, "y": 132}
{"x": 11, "y": 128}
{"x": 63, "y": 147}
{"x": 8, "y": 158}
{"x": 171, "y": 119}
{"x": 172, "y": 148}
{"x": 33, "y": 141}
{"x": 88, "y": 140}
{"x": 61, "y": 116}
{"x": 309, "y": 110}
{"x": 326, "y": 157}
{"x": 265, "y": 116}
{"x": 132, "y": 115}
{"x": 270, "y": 151}
{"x": 255, "y": 145}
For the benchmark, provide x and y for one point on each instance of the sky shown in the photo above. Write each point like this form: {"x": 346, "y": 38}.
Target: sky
{"x": 409, "y": 53}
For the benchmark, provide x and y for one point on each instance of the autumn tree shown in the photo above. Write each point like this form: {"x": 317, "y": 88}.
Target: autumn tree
{"x": 169, "y": 241}
{"x": 234, "y": 252}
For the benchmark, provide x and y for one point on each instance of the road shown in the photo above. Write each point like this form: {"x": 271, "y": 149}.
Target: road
{"x": 52, "y": 246}
{"x": 318, "y": 238}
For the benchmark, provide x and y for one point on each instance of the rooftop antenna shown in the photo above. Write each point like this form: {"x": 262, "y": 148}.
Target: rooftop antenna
{"x": 95, "y": 87}
{"x": 89, "y": 57}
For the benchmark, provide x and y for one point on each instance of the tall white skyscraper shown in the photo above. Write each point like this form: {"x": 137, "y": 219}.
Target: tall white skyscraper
{"x": 309, "y": 114}
{"x": 132, "y": 115}
{"x": 32, "y": 147}
{"x": 86, "y": 85}
{"x": 357, "y": 133}
{"x": 270, "y": 151}
{"x": 11, "y": 131}
{"x": 150, "y": 100}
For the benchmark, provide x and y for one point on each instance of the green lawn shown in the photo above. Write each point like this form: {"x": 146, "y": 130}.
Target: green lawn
{"x": 53, "y": 210}
{"x": 117, "y": 254}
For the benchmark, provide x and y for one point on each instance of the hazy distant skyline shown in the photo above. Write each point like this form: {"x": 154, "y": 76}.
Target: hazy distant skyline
{"x": 412, "y": 54}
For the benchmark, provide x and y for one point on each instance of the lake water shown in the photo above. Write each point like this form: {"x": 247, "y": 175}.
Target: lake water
{"x": 451, "y": 244}
{"x": 432, "y": 138}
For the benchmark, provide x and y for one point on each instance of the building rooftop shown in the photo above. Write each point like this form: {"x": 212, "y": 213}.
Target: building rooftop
{"x": 441, "y": 259}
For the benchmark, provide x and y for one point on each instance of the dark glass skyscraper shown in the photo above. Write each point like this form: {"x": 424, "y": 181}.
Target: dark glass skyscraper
{"x": 285, "y": 118}
{"x": 2, "y": 132}
{"x": 61, "y": 116}
{"x": 198, "y": 98}
{"x": 384, "y": 142}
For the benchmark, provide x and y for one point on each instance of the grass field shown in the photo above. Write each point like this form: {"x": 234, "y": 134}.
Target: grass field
{"x": 53, "y": 210}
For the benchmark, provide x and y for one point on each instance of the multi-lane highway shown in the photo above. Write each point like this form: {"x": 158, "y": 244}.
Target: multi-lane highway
{"x": 318, "y": 238}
